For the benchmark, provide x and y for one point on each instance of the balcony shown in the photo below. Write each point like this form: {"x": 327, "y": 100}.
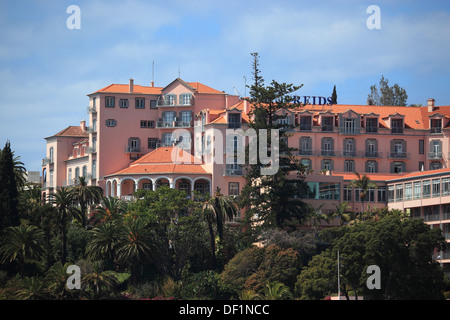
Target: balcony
{"x": 46, "y": 161}
{"x": 349, "y": 131}
{"x": 174, "y": 103}
{"x": 327, "y": 128}
{"x": 373, "y": 154}
{"x": 305, "y": 127}
{"x": 399, "y": 155}
{"x": 91, "y": 150}
{"x": 305, "y": 152}
{"x": 327, "y": 153}
{"x": 434, "y": 155}
{"x": 132, "y": 149}
{"x": 397, "y": 130}
{"x": 232, "y": 172}
{"x": 174, "y": 124}
{"x": 435, "y": 130}
{"x": 91, "y": 129}
{"x": 91, "y": 110}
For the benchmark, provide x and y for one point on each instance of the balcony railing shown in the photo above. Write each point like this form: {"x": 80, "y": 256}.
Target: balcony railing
{"x": 91, "y": 109}
{"x": 46, "y": 161}
{"x": 435, "y": 130}
{"x": 327, "y": 153}
{"x": 349, "y": 130}
{"x": 232, "y": 172}
{"x": 171, "y": 103}
{"x": 399, "y": 155}
{"x": 91, "y": 129}
{"x": 305, "y": 127}
{"x": 306, "y": 152}
{"x": 327, "y": 128}
{"x": 397, "y": 130}
{"x": 174, "y": 124}
{"x": 373, "y": 154}
{"x": 131, "y": 149}
{"x": 434, "y": 155}
{"x": 91, "y": 150}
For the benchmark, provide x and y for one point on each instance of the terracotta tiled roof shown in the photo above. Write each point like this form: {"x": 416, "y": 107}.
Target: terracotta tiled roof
{"x": 125, "y": 88}
{"x": 160, "y": 161}
{"x": 72, "y": 131}
{"x": 348, "y": 176}
{"x": 201, "y": 88}
{"x": 418, "y": 174}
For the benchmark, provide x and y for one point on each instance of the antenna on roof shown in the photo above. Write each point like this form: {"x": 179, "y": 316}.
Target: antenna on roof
{"x": 245, "y": 87}
{"x": 179, "y": 71}
{"x": 153, "y": 74}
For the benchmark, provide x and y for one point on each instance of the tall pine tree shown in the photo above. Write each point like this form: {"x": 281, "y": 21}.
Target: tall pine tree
{"x": 334, "y": 96}
{"x": 9, "y": 195}
{"x": 273, "y": 200}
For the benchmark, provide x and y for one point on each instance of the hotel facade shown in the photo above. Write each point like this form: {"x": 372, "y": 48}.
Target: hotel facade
{"x": 136, "y": 132}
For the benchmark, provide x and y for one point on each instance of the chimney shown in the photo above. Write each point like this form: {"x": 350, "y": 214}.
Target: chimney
{"x": 131, "y": 84}
{"x": 430, "y": 105}
{"x": 152, "y": 84}
{"x": 246, "y": 107}
{"x": 83, "y": 125}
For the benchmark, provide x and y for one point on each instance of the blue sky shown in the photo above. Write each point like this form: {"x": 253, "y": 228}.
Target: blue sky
{"x": 46, "y": 69}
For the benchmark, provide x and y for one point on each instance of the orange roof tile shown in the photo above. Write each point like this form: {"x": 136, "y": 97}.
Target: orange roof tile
{"x": 125, "y": 88}
{"x": 348, "y": 176}
{"x": 201, "y": 88}
{"x": 72, "y": 131}
{"x": 160, "y": 161}
{"x": 418, "y": 174}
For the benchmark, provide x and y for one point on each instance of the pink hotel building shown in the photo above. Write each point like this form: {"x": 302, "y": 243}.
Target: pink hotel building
{"x": 129, "y": 142}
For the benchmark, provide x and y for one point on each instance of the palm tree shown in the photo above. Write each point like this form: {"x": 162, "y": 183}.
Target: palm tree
{"x": 63, "y": 199}
{"x": 316, "y": 216}
{"x": 85, "y": 195}
{"x": 32, "y": 289}
{"x": 110, "y": 208}
{"x": 134, "y": 249}
{"x": 23, "y": 244}
{"x": 56, "y": 279}
{"x": 342, "y": 213}
{"x": 100, "y": 282}
{"x": 276, "y": 291}
{"x": 216, "y": 210}
{"x": 19, "y": 171}
{"x": 364, "y": 184}
{"x": 104, "y": 242}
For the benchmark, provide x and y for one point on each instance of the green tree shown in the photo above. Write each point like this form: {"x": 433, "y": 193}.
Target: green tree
{"x": 342, "y": 212}
{"x": 104, "y": 242}
{"x": 99, "y": 283}
{"x": 33, "y": 288}
{"x": 334, "y": 96}
{"x": 276, "y": 291}
{"x": 364, "y": 184}
{"x": 217, "y": 210}
{"x": 386, "y": 95}
{"x": 9, "y": 195}
{"x": 22, "y": 244}
{"x": 63, "y": 199}
{"x": 56, "y": 281}
{"x": 85, "y": 195}
{"x": 273, "y": 198}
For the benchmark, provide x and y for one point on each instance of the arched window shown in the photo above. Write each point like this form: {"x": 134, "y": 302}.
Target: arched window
{"x": 51, "y": 154}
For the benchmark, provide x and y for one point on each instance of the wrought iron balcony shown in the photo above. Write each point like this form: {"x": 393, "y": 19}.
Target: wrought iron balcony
{"x": 399, "y": 155}
{"x": 434, "y": 155}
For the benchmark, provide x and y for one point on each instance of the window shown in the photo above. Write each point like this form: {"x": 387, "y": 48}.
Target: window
{"x": 436, "y": 183}
{"x": 370, "y": 195}
{"x": 398, "y": 167}
{"x": 436, "y": 126}
{"x": 349, "y": 147}
{"x": 151, "y": 143}
{"x": 51, "y": 178}
{"x": 69, "y": 179}
{"x": 371, "y": 166}
{"x": 399, "y": 192}
{"x": 396, "y": 125}
{"x": 445, "y": 186}
{"x": 426, "y": 188}
{"x": 381, "y": 194}
{"x": 134, "y": 145}
{"x": 147, "y": 124}
{"x": 184, "y": 186}
{"x": 417, "y": 190}
{"x": 94, "y": 169}
{"x": 408, "y": 191}
{"x": 153, "y": 104}
{"x": 305, "y": 123}
{"x": 185, "y": 99}
{"x": 168, "y": 117}
{"x": 347, "y": 193}
{"x": 323, "y": 190}
{"x": 109, "y": 102}
{"x": 185, "y": 140}
{"x": 51, "y": 154}
{"x": 233, "y": 188}
{"x": 167, "y": 139}
{"x": 307, "y": 163}
{"x": 84, "y": 171}
{"x": 421, "y": 146}
{"x": 327, "y": 124}
{"x": 305, "y": 146}
{"x": 77, "y": 173}
{"x": 170, "y": 100}
{"x": 111, "y": 123}
{"x": 371, "y": 148}
{"x": 123, "y": 103}
{"x": 327, "y": 147}
{"x": 421, "y": 166}
{"x": 327, "y": 164}
{"x": 371, "y": 125}
{"x": 391, "y": 194}
{"x": 140, "y": 103}
{"x": 435, "y": 165}
{"x": 234, "y": 120}
{"x": 186, "y": 118}
{"x": 349, "y": 166}
{"x": 350, "y": 126}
